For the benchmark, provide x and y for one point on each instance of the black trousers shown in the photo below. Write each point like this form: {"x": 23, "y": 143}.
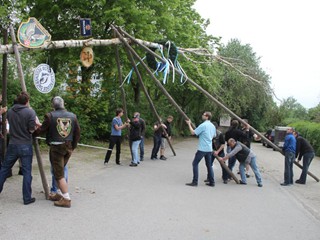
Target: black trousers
{"x": 114, "y": 140}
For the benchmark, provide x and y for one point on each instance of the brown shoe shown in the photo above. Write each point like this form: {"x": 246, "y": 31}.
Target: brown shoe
{"x": 63, "y": 203}
{"x": 54, "y": 196}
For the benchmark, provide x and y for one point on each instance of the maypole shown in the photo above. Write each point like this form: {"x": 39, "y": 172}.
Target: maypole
{"x": 24, "y": 88}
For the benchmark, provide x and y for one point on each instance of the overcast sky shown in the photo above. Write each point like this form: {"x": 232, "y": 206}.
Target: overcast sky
{"x": 284, "y": 33}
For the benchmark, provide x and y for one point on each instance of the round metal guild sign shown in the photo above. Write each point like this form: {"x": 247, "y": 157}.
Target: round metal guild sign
{"x": 43, "y": 78}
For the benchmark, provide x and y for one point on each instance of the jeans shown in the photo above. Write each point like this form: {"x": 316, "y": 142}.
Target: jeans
{"x": 135, "y": 155}
{"x": 232, "y": 161}
{"x": 254, "y": 167}
{"x": 54, "y": 187}
{"x": 307, "y": 159}
{"x": 114, "y": 140}
{"x": 156, "y": 146}
{"x": 197, "y": 158}
{"x": 288, "y": 167}
{"x": 141, "y": 146}
{"x": 24, "y": 152}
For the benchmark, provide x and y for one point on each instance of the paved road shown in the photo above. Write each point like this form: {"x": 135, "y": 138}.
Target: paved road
{"x": 152, "y": 202}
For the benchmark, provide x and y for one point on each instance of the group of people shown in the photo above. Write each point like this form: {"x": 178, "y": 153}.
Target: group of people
{"x": 295, "y": 146}
{"x": 137, "y": 129}
{"x": 62, "y": 135}
{"x": 211, "y": 146}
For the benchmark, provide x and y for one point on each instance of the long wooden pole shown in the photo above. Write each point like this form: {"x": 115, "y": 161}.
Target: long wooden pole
{"x": 4, "y": 94}
{"x": 24, "y": 88}
{"x": 213, "y": 99}
{"x": 129, "y": 53}
{"x": 223, "y": 165}
{"x": 123, "y": 94}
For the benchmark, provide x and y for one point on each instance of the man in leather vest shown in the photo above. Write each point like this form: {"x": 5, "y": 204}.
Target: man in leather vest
{"x": 245, "y": 157}
{"x": 63, "y": 134}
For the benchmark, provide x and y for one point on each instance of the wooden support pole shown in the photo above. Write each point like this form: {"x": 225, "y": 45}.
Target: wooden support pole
{"x": 123, "y": 94}
{"x": 231, "y": 174}
{"x": 4, "y": 94}
{"x": 213, "y": 99}
{"x": 129, "y": 52}
{"x": 158, "y": 83}
{"x": 24, "y": 88}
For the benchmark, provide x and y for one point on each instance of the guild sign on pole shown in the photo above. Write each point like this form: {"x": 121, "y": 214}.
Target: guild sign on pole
{"x": 32, "y": 34}
{"x": 86, "y": 56}
{"x": 85, "y": 27}
{"x": 225, "y": 120}
{"x": 43, "y": 78}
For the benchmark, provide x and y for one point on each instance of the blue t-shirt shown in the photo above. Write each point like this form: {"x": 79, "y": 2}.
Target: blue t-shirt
{"x": 206, "y": 131}
{"x": 114, "y": 131}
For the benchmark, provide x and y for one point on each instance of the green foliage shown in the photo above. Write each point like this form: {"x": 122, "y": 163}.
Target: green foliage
{"x": 314, "y": 114}
{"x": 94, "y": 102}
{"x": 310, "y": 131}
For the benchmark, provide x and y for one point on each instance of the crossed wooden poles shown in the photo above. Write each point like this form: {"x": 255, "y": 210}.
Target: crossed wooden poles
{"x": 131, "y": 55}
{"x": 120, "y": 33}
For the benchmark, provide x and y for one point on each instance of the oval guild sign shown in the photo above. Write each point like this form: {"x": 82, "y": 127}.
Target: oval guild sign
{"x": 43, "y": 78}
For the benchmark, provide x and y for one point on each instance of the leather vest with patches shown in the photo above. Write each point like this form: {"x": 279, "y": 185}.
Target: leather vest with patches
{"x": 61, "y": 126}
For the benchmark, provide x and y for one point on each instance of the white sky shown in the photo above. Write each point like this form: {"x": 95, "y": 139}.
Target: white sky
{"x": 284, "y": 33}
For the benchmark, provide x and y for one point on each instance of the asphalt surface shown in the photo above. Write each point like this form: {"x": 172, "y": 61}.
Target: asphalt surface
{"x": 151, "y": 201}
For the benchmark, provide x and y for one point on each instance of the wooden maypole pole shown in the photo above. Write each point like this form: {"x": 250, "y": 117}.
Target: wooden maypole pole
{"x": 24, "y": 88}
{"x": 213, "y": 99}
{"x": 141, "y": 84}
{"x": 170, "y": 98}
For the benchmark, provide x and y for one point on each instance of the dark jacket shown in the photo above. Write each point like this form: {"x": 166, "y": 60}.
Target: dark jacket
{"x": 168, "y": 130}
{"x": 302, "y": 147}
{"x": 135, "y": 130}
{"x": 236, "y": 134}
{"x": 217, "y": 142}
{"x": 22, "y": 123}
{"x": 143, "y": 127}
{"x": 50, "y": 126}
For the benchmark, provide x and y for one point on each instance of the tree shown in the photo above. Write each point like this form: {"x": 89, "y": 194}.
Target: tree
{"x": 292, "y": 111}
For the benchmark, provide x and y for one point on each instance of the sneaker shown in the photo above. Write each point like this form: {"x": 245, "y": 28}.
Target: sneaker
{"x": 243, "y": 183}
{"x": 260, "y": 185}
{"x": 119, "y": 163}
{"x": 163, "y": 158}
{"x": 153, "y": 158}
{"x": 63, "y": 203}
{"x": 54, "y": 196}
{"x": 192, "y": 184}
{"x": 133, "y": 165}
{"x": 225, "y": 181}
{"x": 105, "y": 162}
{"x": 247, "y": 175}
{"x": 32, "y": 200}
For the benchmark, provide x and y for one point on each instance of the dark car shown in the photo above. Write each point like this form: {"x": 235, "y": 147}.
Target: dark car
{"x": 270, "y": 136}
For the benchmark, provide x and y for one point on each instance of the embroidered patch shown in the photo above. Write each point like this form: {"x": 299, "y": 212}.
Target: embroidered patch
{"x": 64, "y": 127}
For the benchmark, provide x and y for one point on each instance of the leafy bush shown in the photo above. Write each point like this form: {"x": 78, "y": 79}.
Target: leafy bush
{"x": 310, "y": 131}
